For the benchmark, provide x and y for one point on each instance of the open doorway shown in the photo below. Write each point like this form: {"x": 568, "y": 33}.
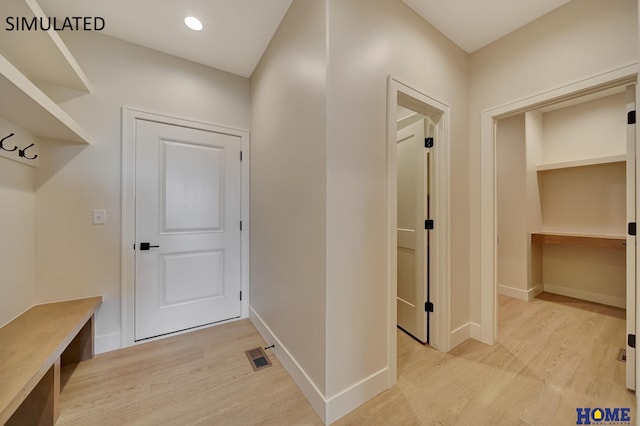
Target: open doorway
{"x": 417, "y": 211}
{"x": 416, "y": 136}
{"x": 565, "y": 194}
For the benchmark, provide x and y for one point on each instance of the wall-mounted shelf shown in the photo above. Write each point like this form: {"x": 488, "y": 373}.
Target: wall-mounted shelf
{"x": 25, "y": 105}
{"x": 580, "y": 240}
{"x": 585, "y": 162}
{"x": 41, "y": 56}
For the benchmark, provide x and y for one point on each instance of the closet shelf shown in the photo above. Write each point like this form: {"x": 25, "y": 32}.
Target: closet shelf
{"x": 25, "y": 105}
{"x": 41, "y": 56}
{"x": 580, "y": 240}
{"x": 585, "y": 162}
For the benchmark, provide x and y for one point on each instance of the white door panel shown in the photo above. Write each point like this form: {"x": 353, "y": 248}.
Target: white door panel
{"x": 411, "y": 251}
{"x": 193, "y": 186}
{"x": 188, "y": 204}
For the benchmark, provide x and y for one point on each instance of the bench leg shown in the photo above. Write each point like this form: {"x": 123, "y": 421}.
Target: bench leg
{"x": 81, "y": 347}
{"x": 42, "y": 406}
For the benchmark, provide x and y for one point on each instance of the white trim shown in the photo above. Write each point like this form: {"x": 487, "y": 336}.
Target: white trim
{"x": 440, "y": 328}
{"x": 460, "y": 334}
{"x": 107, "y": 343}
{"x": 129, "y": 117}
{"x": 518, "y": 293}
{"x": 591, "y": 296}
{"x": 328, "y": 409}
{"x": 631, "y": 248}
{"x": 488, "y": 247}
{"x": 297, "y": 373}
{"x": 469, "y": 330}
{"x": 351, "y": 398}
{"x": 475, "y": 331}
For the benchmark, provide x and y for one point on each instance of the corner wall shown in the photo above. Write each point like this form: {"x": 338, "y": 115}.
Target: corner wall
{"x": 512, "y": 207}
{"x": 17, "y": 239}
{"x": 578, "y": 40}
{"x": 368, "y": 40}
{"x": 288, "y": 195}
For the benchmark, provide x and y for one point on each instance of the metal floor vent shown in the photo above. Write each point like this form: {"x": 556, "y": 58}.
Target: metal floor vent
{"x": 258, "y": 359}
{"x": 622, "y": 355}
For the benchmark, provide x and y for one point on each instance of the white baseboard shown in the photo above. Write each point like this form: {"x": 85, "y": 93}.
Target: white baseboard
{"x": 460, "y": 334}
{"x": 328, "y": 409}
{"x": 586, "y": 295}
{"x": 107, "y": 343}
{"x": 349, "y": 399}
{"x": 476, "y": 331}
{"x": 534, "y": 292}
{"x": 517, "y": 293}
{"x": 304, "y": 382}
{"x": 464, "y": 332}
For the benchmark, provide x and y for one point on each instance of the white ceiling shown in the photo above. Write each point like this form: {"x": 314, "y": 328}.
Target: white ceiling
{"x": 473, "y": 24}
{"x": 236, "y": 32}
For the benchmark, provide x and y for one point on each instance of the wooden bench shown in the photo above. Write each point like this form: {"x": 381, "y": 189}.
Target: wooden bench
{"x": 32, "y": 348}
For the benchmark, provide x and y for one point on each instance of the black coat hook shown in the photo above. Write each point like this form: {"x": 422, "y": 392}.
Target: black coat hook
{"x": 5, "y": 138}
{"x": 21, "y": 153}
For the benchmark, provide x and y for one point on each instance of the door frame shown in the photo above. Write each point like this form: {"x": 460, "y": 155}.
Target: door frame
{"x": 440, "y": 291}
{"x": 488, "y": 208}
{"x": 127, "y": 253}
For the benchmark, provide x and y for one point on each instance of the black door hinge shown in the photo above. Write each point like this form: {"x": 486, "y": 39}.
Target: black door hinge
{"x": 631, "y": 340}
{"x": 241, "y": 225}
{"x": 631, "y": 228}
{"x": 240, "y": 295}
{"x": 428, "y": 224}
{"x": 428, "y": 306}
{"x": 428, "y": 142}
{"x": 631, "y": 117}
{"x": 240, "y": 155}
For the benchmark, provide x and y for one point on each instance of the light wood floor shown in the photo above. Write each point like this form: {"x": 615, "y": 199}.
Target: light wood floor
{"x": 199, "y": 378}
{"x": 553, "y": 354}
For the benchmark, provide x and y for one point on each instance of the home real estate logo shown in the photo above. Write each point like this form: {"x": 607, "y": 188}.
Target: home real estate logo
{"x": 603, "y": 416}
{"x": 69, "y": 23}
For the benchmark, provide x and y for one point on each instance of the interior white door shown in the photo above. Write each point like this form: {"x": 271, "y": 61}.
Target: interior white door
{"x": 188, "y": 212}
{"x": 411, "y": 233}
{"x": 631, "y": 241}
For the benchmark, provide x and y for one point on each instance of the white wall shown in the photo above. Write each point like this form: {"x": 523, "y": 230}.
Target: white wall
{"x": 512, "y": 208}
{"x": 587, "y": 200}
{"x": 17, "y": 241}
{"x": 319, "y": 183}
{"x": 533, "y": 137}
{"x": 588, "y": 130}
{"x": 75, "y": 258}
{"x": 576, "y": 41}
{"x": 288, "y": 188}
{"x": 369, "y": 40}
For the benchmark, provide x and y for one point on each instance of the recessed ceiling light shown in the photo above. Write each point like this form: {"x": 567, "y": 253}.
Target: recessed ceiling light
{"x": 193, "y": 23}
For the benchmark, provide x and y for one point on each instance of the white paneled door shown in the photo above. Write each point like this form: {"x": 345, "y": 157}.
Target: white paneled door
{"x": 187, "y": 225}
{"x": 412, "y": 237}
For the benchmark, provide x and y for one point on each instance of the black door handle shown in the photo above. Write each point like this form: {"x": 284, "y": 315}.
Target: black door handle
{"x": 146, "y": 246}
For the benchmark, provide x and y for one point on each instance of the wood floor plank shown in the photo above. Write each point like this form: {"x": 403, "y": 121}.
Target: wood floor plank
{"x": 202, "y": 377}
{"x": 553, "y": 354}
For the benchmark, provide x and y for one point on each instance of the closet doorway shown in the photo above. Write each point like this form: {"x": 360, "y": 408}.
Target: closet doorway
{"x": 416, "y": 136}
{"x": 565, "y": 199}
{"x": 417, "y": 226}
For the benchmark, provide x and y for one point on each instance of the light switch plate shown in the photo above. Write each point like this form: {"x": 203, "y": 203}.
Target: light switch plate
{"x": 99, "y": 216}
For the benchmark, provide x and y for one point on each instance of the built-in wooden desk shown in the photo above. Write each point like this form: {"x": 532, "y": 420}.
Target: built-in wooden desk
{"x": 32, "y": 348}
